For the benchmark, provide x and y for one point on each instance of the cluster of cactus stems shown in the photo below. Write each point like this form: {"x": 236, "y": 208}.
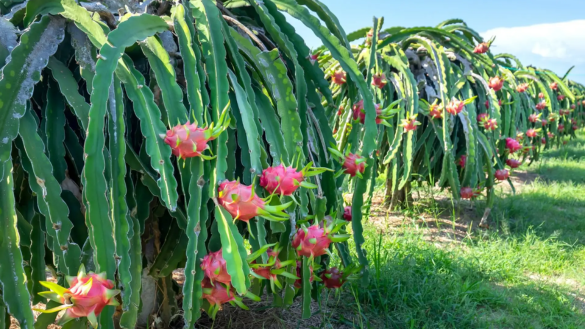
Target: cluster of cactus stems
{"x": 205, "y": 135}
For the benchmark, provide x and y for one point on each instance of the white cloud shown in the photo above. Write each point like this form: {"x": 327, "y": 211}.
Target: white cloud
{"x": 555, "y": 46}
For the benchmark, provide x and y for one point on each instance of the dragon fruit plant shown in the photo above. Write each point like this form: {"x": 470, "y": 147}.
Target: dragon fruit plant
{"x": 87, "y": 295}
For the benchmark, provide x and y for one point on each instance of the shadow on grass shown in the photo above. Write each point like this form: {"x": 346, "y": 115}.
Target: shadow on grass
{"x": 417, "y": 285}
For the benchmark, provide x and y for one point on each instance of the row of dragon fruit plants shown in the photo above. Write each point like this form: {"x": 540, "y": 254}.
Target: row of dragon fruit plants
{"x": 206, "y": 135}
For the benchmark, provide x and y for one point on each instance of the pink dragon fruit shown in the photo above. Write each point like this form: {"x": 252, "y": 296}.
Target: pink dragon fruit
{"x": 531, "y": 133}
{"x": 354, "y": 165}
{"x": 512, "y": 145}
{"x": 338, "y": 77}
{"x": 540, "y": 95}
{"x": 496, "y": 83}
{"x": 561, "y": 127}
{"x": 360, "y": 114}
{"x": 347, "y": 213}
{"x": 550, "y": 135}
{"x": 462, "y": 161}
{"x": 436, "y": 112}
{"x": 513, "y": 163}
{"x": 533, "y": 118}
{"x": 574, "y": 127}
{"x": 573, "y": 106}
{"x": 243, "y": 204}
{"x": 299, "y": 281}
{"x": 487, "y": 104}
{"x": 560, "y": 97}
{"x": 455, "y": 107}
{"x": 544, "y": 122}
{"x": 379, "y": 80}
{"x": 87, "y": 296}
{"x": 313, "y": 58}
{"x": 502, "y": 174}
{"x": 541, "y": 106}
{"x": 409, "y": 124}
{"x": 332, "y": 278}
{"x": 554, "y": 86}
{"x": 286, "y": 180}
{"x": 481, "y": 48}
{"x": 314, "y": 240}
{"x": 187, "y": 141}
{"x": 522, "y": 87}
{"x": 217, "y": 294}
{"x": 215, "y": 267}
{"x": 466, "y": 193}
{"x": 482, "y": 116}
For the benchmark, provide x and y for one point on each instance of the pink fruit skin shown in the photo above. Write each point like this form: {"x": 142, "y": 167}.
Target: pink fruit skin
{"x": 379, "y": 80}
{"x": 299, "y": 282}
{"x": 351, "y": 168}
{"x": 94, "y": 301}
{"x": 512, "y": 145}
{"x": 281, "y": 179}
{"x": 513, "y": 163}
{"x": 187, "y": 141}
{"x": 455, "y": 107}
{"x": 490, "y": 124}
{"x": 347, "y": 213}
{"x": 305, "y": 247}
{"x": 502, "y": 174}
{"x": 522, "y": 87}
{"x": 544, "y": 122}
{"x": 360, "y": 114}
{"x": 338, "y": 77}
{"x": 554, "y": 86}
{"x": 219, "y": 294}
{"x": 496, "y": 83}
{"x": 466, "y": 193}
{"x": 481, "y": 48}
{"x": 533, "y": 118}
{"x": 332, "y": 278}
{"x": 215, "y": 267}
{"x": 540, "y": 95}
{"x": 242, "y": 205}
{"x": 531, "y": 133}
{"x": 561, "y": 127}
{"x": 543, "y": 140}
{"x": 560, "y": 97}
{"x": 540, "y": 106}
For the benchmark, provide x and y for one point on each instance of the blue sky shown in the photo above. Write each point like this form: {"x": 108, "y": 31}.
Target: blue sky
{"x": 548, "y": 34}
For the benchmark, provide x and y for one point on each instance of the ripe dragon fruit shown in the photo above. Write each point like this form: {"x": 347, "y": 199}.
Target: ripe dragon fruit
{"x": 218, "y": 294}
{"x": 482, "y": 116}
{"x": 338, "y": 77}
{"x": 540, "y": 95}
{"x": 314, "y": 240}
{"x": 487, "y": 104}
{"x": 409, "y": 124}
{"x": 502, "y": 174}
{"x": 87, "y": 295}
{"x": 360, "y": 114}
{"x": 533, "y": 118}
{"x": 332, "y": 278}
{"x": 544, "y": 122}
{"x": 512, "y": 145}
{"x": 462, "y": 161}
{"x": 347, "y": 213}
{"x": 481, "y": 48}
{"x": 354, "y": 165}
{"x": 455, "y": 107}
{"x": 243, "y": 204}
{"x": 286, "y": 180}
{"x": 466, "y": 193}
{"x": 313, "y": 58}
{"x": 436, "y": 112}
{"x": 513, "y": 163}
{"x": 554, "y": 86}
{"x": 541, "y": 106}
{"x": 187, "y": 141}
{"x": 543, "y": 140}
{"x": 215, "y": 267}
{"x": 573, "y": 106}
{"x": 522, "y": 87}
{"x": 560, "y": 97}
{"x": 531, "y": 133}
{"x": 379, "y": 80}
{"x": 496, "y": 83}
{"x": 561, "y": 127}
{"x": 550, "y": 135}
{"x": 575, "y": 127}
{"x": 490, "y": 124}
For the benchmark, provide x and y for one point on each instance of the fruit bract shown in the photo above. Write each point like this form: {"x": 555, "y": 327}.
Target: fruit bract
{"x": 502, "y": 174}
{"x": 332, "y": 278}
{"x": 409, "y": 124}
{"x": 87, "y": 296}
{"x": 311, "y": 242}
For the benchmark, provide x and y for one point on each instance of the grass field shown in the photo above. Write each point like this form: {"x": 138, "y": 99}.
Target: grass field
{"x": 433, "y": 268}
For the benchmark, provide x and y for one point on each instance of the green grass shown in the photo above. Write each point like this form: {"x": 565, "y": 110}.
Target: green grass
{"x": 527, "y": 271}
